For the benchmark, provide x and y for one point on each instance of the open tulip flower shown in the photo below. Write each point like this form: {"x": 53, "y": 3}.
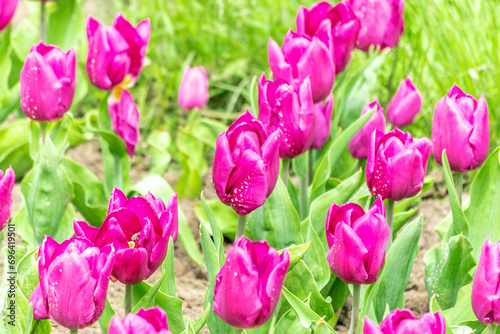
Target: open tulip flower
{"x": 48, "y": 80}
{"x": 396, "y": 164}
{"x": 7, "y": 10}
{"x": 404, "y": 322}
{"x": 193, "y": 91}
{"x": 74, "y": 278}
{"x": 302, "y": 56}
{"x": 323, "y": 123}
{"x": 116, "y": 52}
{"x": 382, "y": 22}
{"x": 124, "y": 118}
{"x": 356, "y": 241}
{"x": 405, "y": 104}
{"x": 140, "y": 229}
{"x": 292, "y": 111}
{"x": 7, "y": 181}
{"x": 249, "y": 284}
{"x": 461, "y": 127}
{"x": 246, "y": 164}
{"x": 343, "y": 23}
{"x": 150, "y": 321}
{"x": 359, "y": 144}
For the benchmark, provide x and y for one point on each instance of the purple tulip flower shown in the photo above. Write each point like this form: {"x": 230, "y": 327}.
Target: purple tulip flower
{"x": 405, "y": 104}
{"x": 193, "y": 92}
{"x": 246, "y": 164}
{"x": 7, "y": 10}
{"x": 323, "y": 123}
{"x": 150, "y": 321}
{"x": 360, "y": 143}
{"x": 124, "y": 118}
{"x": 249, "y": 284}
{"x": 6, "y": 186}
{"x": 48, "y": 79}
{"x": 404, "y": 322}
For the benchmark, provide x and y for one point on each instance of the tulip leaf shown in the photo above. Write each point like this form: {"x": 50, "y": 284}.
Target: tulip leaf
{"x": 332, "y": 154}
{"x": 290, "y": 323}
{"x": 448, "y": 270}
{"x": 216, "y": 232}
{"x": 462, "y": 313}
{"x": 14, "y": 147}
{"x": 60, "y": 131}
{"x": 300, "y": 164}
{"x": 5, "y": 60}
{"x": 106, "y": 316}
{"x": 296, "y": 253}
{"x": 316, "y": 261}
{"x": 276, "y": 221}
{"x": 66, "y": 23}
{"x": 168, "y": 285}
{"x": 191, "y": 156}
{"x": 391, "y": 284}
{"x": 434, "y": 307}
{"x": 147, "y": 301}
{"x": 159, "y": 143}
{"x": 400, "y": 219}
{"x": 201, "y": 322}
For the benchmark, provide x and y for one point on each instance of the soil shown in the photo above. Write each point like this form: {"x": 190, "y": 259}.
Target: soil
{"x": 192, "y": 280}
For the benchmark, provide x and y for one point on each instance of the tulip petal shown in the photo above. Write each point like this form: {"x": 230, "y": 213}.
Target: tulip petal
{"x": 36, "y": 298}
{"x": 6, "y": 186}
{"x": 131, "y": 265}
{"x": 280, "y": 68}
{"x": 370, "y": 327}
{"x": 141, "y": 208}
{"x": 101, "y": 269}
{"x": 222, "y": 167}
{"x": 480, "y": 136}
{"x": 82, "y": 229}
{"x": 156, "y": 317}
{"x": 271, "y": 159}
{"x": 117, "y": 200}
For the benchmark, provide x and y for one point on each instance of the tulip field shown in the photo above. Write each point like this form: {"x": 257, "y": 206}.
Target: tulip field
{"x": 249, "y": 166}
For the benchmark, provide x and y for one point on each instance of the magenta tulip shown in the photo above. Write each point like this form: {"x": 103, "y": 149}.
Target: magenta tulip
{"x": 151, "y": 321}
{"x": 6, "y": 186}
{"x": 140, "y": 229}
{"x": 461, "y": 127}
{"x": 292, "y": 111}
{"x": 302, "y": 56}
{"x": 343, "y": 23}
{"x": 7, "y": 10}
{"x": 404, "y": 322}
{"x": 193, "y": 92}
{"x": 124, "y": 118}
{"x": 74, "y": 278}
{"x": 405, "y": 104}
{"x": 360, "y": 143}
{"x": 116, "y": 52}
{"x": 323, "y": 123}
{"x": 396, "y": 164}
{"x": 357, "y": 241}
{"x": 48, "y": 80}
{"x": 249, "y": 284}
{"x": 486, "y": 285}
{"x": 246, "y": 164}
{"x": 382, "y": 22}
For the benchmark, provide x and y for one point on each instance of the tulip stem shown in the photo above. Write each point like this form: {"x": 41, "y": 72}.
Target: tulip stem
{"x": 390, "y": 218}
{"x": 356, "y": 292}
{"x": 237, "y": 331}
{"x": 310, "y": 166}
{"x": 73, "y": 331}
{"x": 43, "y": 133}
{"x": 285, "y": 171}
{"x": 118, "y": 172}
{"x": 492, "y": 330}
{"x": 128, "y": 298}
{"x": 43, "y": 30}
{"x": 240, "y": 230}
{"x": 304, "y": 201}
{"x": 459, "y": 186}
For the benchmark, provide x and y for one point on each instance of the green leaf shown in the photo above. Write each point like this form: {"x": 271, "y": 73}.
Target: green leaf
{"x": 191, "y": 156}
{"x": 168, "y": 285}
{"x": 216, "y": 232}
{"x": 159, "y": 142}
{"x": 290, "y": 323}
{"x": 316, "y": 261}
{"x": 400, "y": 219}
{"x": 201, "y": 322}
{"x": 227, "y": 218}
{"x": 462, "y": 313}
{"x": 66, "y": 24}
{"x": 14, "y": 147}
{"x": 147, "y": 301}
{"x": 434, "y": 307}
{"x": 296, "y": 253}
{"x": 5, "y": 61}
{"x": 106, "y": 317}
{"x": 60, "y": 131}
{"x": 300, "y": 164}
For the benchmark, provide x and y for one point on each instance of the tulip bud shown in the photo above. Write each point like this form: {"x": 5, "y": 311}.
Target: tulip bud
{"x": 405, "y": 104}
{"x": 461, "y": 127}
{"x": 140, "y": 229}
{"x": 151, "y": 321}
{"x": 292, "y": 111}
{"x": 403, "y": 321}
{"x": 124, "y": 118}
{"x": 360, "y": 143}
{"x": 116, "y": 53}
{"x": 246, "y": 164}
{"x": 48, "y": 80}
{"x": 382, "y": 22}
{"x": 6, "y": 186}
{"x": 74, "y": 278}
{"x": 249, "y": 284}
{"x": 301, "y": 56}
{"x": 7, "y": 10}
{"x": 323, "y": 123}
{"x": 485, "y": 297}
{"x": 396, "y": 164}
{"x": 344, "y": 27}
{"x": 193, "y": 92}
{"x": 357, "y": 241}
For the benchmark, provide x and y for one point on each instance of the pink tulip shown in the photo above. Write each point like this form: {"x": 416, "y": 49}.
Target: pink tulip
{"x": 124, "y": 118}
{"x": 404, "y": 322}
{"x": 249, "y": 284}
{"x": 116, "y": 52}
{"x": 486, "y": 284}
{"x": 289, "y": 110}
{"x": 48, "y": 79}
{"x": 140, "y": 229}
{"x": 6, "y": 186}
{"x": 246, "y": 164}
{"x": 7, "y": 10}
{"x": 360, "y": 143}
{"x": 405, "y": 104}
{"x": 461, "y": 127}
{"x": 357, "y": 241}
{"x": 343, "y": 23}
{"x": 382, "y": 22}
{"x": 323, "y": 123}
{"x": 193, "y": 92}
{"x": 396, "y": 164}
{"x": 301, "y": 57}
{"x": 74, "y": 278}
{"x": 150, "y": 321}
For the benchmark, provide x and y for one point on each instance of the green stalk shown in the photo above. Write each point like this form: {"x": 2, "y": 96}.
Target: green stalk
{"x": 73, "y": 331}
{"x": 459, "y": 186}
{"x": 285, "y": 171}
{"x": 118, "y": 173}
{"x": 303, "y": 200}
{"x": 240, "y": 230}
{"x": 390, "y": 218}
{"x": 310, "y": 166}
{"x": 128, "y": 298}
{"x": 237, "y": 331}
{"x": 43, "y": 133}
{"x": 43, "y": 28}
{"x": 492, "y": 330}
{"x": 356, "y": 292}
